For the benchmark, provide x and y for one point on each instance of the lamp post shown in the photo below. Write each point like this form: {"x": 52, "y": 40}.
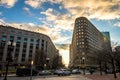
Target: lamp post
{"x": 83, "y": 64}
{"x": 113, "y": 63}
{"x": 1, "y": 49}
{"x": 47, "y": 62}
{"x": 9, "y": 56}
{"x": 31, "y": 70}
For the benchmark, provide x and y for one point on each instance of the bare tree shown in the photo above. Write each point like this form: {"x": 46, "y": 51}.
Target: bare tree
{"x": 40, "y": 59}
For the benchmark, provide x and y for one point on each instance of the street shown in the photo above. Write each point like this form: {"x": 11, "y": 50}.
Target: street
{"x": 72, "y": 77}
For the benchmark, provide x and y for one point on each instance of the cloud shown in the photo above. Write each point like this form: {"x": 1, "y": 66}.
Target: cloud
{"x": 0, "y": 13}
{"x": 7, "y": 3}
{"x": 60, "y": 21}
{"x": 2, "y": 22}
{"x": 57, "y": 23}
{"x": 99, "y": 9}
{"x": 34, "y": 3}
{"x": 48, "y": 14}
{"x": 117, "y": 24}
{"x": 55, "y": 1}
{"x": 38, "y": 3}
{"x": 27, "y": 10}
{"x": 25, "y": 26}
{"x": 63, "y": 46}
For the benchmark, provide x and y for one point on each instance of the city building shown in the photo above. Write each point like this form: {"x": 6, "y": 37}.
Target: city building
{"x": 87, "y": 42}
{"x": 27, "y": 43}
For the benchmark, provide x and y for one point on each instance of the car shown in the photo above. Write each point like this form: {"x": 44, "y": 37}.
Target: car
{"x": 62, "y": 72}
{"x": 45, "y": 72}
{"x": 56, "y": 72}
{"x": 76, "y": 71}
{"x": 26, "y": 72}
{"x": 109, "y": 71}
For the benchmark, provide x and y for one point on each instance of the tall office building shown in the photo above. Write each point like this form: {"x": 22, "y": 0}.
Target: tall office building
{"x": 27, "y": 43}
{"x": 87, "y": 41}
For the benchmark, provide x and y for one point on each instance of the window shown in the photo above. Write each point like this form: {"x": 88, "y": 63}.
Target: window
{"x": 23, "y": 59}
{"x": 17, "y": 49}
{"x": 4, "y": 37}
{"x": 24, "y": 50}
{"x": 23, "y": 55}
{"x": 24, "y": 45}
{"x": 81, "y": 26}
{"x": 30, "y": 51}
{"x": 82, "y": 42}
{"x": 30, "y": 55}
{"x": 31, "y": 40}
{"x": 16, "y": 55}
{"x": 42, "y": 43}
{"x": 31, "y": 46}
{"x": 11, "y": 38}
{"x": 18, "y": 39}
{"x": 25, "y": 39}
{"x": 82, "y": 32}
{"x": 77, "y": 43}
{"x": 17, "y": 44}
{"x": 37, "y": 41}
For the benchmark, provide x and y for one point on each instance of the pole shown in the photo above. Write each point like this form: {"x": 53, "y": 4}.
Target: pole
{"x": 83, "y": 62}
{"x": 31, "y": 70}
{"x": 9, "y": 57}
{"x": 5, "y": 78}
{"x": 114, "y": 70}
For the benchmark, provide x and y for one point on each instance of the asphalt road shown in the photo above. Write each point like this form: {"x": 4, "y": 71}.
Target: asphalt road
{"x": 72, "y": 77}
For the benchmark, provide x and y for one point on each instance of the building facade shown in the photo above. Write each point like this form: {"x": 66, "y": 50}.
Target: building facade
{"x": 27, "y": 43}
{"x": 86, "y": 43}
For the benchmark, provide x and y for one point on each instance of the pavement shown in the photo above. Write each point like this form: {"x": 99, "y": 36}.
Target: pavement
{"x": 97, "y": 76}
{"x": 94, "y": 76}
{"x": 48, "y": 77}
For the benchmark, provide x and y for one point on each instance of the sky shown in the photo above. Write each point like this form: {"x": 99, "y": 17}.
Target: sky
{"x": 56, "y": 18}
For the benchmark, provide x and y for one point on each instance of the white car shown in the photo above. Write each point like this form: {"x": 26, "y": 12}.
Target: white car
{"x": 45, "y": 72}
{"x": 76, "y": 71}
{"x": 62, "y": 72}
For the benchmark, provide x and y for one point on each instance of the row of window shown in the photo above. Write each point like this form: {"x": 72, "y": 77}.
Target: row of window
{"x": 4, "y": 37}
{"x": 80, "y": 20}
{"x": 18, "y": 43}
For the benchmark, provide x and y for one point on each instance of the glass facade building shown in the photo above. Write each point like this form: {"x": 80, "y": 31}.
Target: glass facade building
{"x": 27, "y": 43}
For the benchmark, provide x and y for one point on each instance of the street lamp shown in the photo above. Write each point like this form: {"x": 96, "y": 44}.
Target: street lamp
{"x": 2, "y": 45}
{"x": 83, "y": 64}
{"x": 113, "y": 63}
{"x": 31, "y": 70}
{"x": 47, "y": 62}
{"x": 9, "y": 56}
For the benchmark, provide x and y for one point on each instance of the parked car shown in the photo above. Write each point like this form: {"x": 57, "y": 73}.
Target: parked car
{"x": 109, "y": 71}
{"x": 25, "y": 72}
{"x": 76, "y": 71}
{"x": 92, "y": 71}
{"x": 45, "y": 72}
{"x": 62, "y": 72}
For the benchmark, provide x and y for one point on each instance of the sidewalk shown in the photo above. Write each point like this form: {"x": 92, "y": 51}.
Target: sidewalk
{"x": 97, "y": 76}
